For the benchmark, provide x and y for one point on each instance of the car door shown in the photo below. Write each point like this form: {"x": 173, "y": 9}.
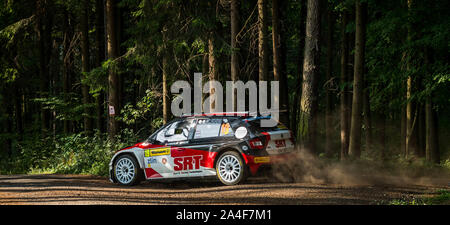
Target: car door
{"x": 209, "y": 134}
{"x": 192, "y": 159}
{"x": 160, "y": 162}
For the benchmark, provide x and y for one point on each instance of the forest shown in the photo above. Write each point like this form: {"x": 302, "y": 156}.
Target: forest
{"x": 360, "y": 80}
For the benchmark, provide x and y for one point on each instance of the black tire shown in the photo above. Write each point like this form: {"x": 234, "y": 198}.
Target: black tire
{"x": 230, "y": 168}
{"x": 126, "y": 171}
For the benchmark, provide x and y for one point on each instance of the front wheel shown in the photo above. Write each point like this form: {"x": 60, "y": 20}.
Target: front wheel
{"x": 126, "y": 170}
{"x": 230, "y": 168}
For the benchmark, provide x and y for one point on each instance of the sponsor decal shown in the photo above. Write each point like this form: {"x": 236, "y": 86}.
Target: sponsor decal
{"x": 240, "y": 132}
{"x": 280, "y": 143}
{"x": 157, "y": 152}
{"x": 225, "y": 129}
{"x": 262, "y": 159}
{"x": 187, "y": 162}
{"x": 150, "y": 161}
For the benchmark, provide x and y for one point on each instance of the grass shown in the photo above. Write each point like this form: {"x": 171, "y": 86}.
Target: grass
{"x": 442, "y": 197}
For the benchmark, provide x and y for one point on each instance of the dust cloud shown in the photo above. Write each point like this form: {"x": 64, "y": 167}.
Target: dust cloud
{"x": 308, "y": 168}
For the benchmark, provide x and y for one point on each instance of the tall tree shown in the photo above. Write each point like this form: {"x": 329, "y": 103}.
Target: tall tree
{"x": 234, "y": 16}
{"x": 67, "y": 63}
{"x": 100, "y": 57}
{"x": 213, "y": 68}
{"x": 113, "y": 81}
{"x": 367, "y": 116}
{"x": 263, "y": 56}
{"x": 298, "y": 79}
{"x": 165, "y": 73}
{"x": 278, "y": 72}
{"x": 431, "y": 134}
{"x": 165, "y": 93}
{"x": 344, "y": 107}
{"x": 329, "y": 79}
{"x": 411, "y": 112}
{"x": 432, "y": 153}
{"x": 44, "y": 29}
{"x": 85, "y": 65}
{"x": 307, "y": 126}
{"x": 358, "y": 78}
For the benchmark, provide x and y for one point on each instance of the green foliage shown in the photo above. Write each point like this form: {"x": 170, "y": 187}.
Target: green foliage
{"x": 413, "y": 201}
{"x": 142, "y": 111}
{"x": 70, "y": 109}
{"x": 66, "y": 154}
{"x": 8, "y": 74}
{"x": 442, "y": 197}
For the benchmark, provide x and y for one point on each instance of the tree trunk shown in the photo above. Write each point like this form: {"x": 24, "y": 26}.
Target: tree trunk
{"x": 421, "y": 143}
{"x": 44, "y": 27}
{"x": 432, "y": 153}
{"x": 165, "y": 93}
{"x": 432, "y": 144}
{"x": 118, "y": 15}
{"x": 367, "y": 117}
{"x": 278, "y": 73}
{"x": 213, "y": 69}
{"x": 295, "y": 108}
{"x": 382, "y": 136}
{"x": 85, "y": 67}
{"x": 9, "y": 125}
{"x": 100, "y": 57}
{"x": 306, "y": 127}
{"x": 358, "y": 78}
{"x": 411, "y": 121}
{"x": 18, "y": 111}
{"x": 67, "y": 65}
{"x": 113, "y": 82}
{"x": 329, "y": 104}
{"x": 345, "y": 108}
{"x": 234, "y": 45}
{"x": 350, "y": 68}
{"x": 411, "y": 112}
{"x": 263, "y": 57}
{"x": 403, "y": 131}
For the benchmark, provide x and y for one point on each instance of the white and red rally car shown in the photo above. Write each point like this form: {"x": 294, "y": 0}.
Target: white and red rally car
{"x": 230, "y": 146}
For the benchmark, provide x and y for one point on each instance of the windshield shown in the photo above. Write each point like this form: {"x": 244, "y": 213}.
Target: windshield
{"x": 177, "y": 130}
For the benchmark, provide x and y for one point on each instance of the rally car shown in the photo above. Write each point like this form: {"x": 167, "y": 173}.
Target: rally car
{"x": 230, "y": 146}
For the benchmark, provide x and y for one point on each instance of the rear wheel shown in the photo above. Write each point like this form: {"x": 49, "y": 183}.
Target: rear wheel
{"x": 126, "y": 170}
{"x": 230, "y": 168}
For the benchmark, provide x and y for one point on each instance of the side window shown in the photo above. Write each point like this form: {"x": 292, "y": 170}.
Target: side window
{"x": 207, "y": 128}
{"x": 176, "y": 131}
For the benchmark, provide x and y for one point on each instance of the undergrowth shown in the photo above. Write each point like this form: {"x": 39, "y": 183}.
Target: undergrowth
{"x": 65, "y": 154}
{"x": 441, "y": 197}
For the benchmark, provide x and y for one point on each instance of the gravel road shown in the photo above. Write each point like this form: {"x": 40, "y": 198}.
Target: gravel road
{"x": 88, "y": 190}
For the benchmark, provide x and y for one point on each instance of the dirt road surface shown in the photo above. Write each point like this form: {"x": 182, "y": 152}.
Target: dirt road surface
{"x": 87, "y": 190}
